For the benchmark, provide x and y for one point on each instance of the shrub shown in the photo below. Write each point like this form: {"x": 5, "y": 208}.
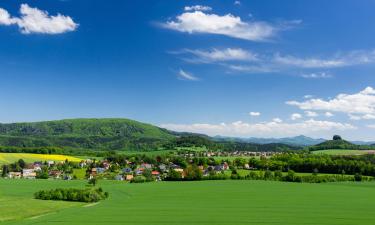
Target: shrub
{"x": 72, "y": 194}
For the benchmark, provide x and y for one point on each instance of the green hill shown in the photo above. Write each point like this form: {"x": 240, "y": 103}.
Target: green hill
{"x": 84, "y": 133}
{"x": 338, "y": 143}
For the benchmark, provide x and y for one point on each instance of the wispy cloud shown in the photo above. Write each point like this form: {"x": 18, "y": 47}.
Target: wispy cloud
{"x": 216, "y": 55}
{"x": 183, "y": 75}
{"x": 197, "y": 8}
{"x": 227, "y": 25}
{"x": 318, "y": 75}
{"x": 295, "y": 116}
{"x": 34, "y": 20}
{"x": 254, "y": 113}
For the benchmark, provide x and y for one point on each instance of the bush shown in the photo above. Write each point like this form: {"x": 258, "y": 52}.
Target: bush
{"x": 72, "y": 194}
{"x": 139, "y": 179}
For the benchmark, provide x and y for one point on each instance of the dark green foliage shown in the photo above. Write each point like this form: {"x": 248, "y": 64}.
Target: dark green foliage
{"x": 139, "y": 179}
{"x": 5, "y": 170}
{"x": 85, "y": 133}
{"x": 71, "y": 194}
{"x": 336, "y": 137}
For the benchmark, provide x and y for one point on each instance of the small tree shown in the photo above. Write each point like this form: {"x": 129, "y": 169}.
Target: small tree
{"x": 5, "y": 171}
{"x": 93, "y": 181}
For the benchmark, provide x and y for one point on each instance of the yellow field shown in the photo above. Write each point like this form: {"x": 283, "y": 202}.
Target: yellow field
{"x": 29, "y": 157}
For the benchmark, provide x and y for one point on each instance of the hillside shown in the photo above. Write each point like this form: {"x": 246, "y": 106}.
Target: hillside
{"x": 84, "y": 133}
{"x": 339, "y": 144}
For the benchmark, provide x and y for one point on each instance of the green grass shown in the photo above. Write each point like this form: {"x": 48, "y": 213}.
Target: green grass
{"x": 341, "y": 152}
{"x": 79, "y": 173}
{"x": 201, "y": 203}
{"x": 6, "y": 158}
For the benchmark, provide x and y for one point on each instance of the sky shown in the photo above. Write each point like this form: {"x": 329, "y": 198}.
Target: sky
{"x": 232, "y": 68}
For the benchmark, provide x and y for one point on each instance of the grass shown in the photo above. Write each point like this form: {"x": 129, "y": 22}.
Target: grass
{"x": 202, "y": 203}
{"x": 6, "y": 158}
{"x": 341, "y": 152}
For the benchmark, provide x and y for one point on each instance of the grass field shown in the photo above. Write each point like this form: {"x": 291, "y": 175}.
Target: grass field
{"x": 200, "y": 203}
{"x": 28, "y": 157}
{"x": 342, "y": 152}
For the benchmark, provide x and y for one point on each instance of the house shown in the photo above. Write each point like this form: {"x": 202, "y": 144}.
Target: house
{"x": 93, "y": 172}
{"x": 247, "y": 166}
{"x": 129, "y": 177}
{"x": 163, "y": 167}
{"x": 106, "y": 165}
{"x": 146, "y": 166}
{"x": 82, "y": 164}
{"x": 119, "y": 177}
{"x": 127, "y": 170}
{"x": 54, "y": 173}
{"x": 50, "y": 163}
{"x": 139, "y": 171}
{"x": 15, "y": 175}
{"x": 155, "y": 173}
{"x": 100, "y": 170}
{"x": 28, "y": 173}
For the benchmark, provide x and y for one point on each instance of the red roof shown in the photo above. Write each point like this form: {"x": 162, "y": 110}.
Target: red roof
{"x": 155, "y": 173}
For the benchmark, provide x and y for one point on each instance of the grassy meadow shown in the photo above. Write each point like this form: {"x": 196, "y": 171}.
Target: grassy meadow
{"x": 6, "y": 158}
{"x": 342, "y": 152}
{"x": 202, "y": 203}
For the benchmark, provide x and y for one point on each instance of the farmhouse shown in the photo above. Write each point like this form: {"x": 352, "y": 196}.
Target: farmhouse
{"x": 129, "y": 177}
{"x": 15, "y": 175}
{"x": 28, "y": 173}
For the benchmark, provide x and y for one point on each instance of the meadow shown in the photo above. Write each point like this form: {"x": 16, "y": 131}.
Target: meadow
{"x": 6, "y": 158}
{"x": 342, "y": 152}
{"x": 202, "y": 203}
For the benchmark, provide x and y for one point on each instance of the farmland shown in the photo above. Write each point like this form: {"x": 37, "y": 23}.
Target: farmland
{"x": 29, "y": 157}
{"x": 202, "y": 203}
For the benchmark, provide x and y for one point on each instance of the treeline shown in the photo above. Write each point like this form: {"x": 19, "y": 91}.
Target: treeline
{"x": 72, "y": 194}
{"x": 205, "y": 141}
{"x": 307, "y": 163}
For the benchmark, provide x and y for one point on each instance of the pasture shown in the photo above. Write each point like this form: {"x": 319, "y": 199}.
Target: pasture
{"x": 343, "y": 152}
{"x": 6, "y": 158}
{"x": 201, "y": 203}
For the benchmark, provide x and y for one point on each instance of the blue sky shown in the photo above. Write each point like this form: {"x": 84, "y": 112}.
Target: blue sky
{"x": 234, "y": 68}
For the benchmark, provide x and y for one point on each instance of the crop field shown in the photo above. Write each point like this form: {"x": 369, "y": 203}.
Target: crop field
{"x": 343, "y": 152}
{"x": 201, "y": 203}
{"x": 29, "y": 157}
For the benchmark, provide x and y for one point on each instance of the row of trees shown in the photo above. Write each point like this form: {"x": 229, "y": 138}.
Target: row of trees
{"x": 71, "y": 194}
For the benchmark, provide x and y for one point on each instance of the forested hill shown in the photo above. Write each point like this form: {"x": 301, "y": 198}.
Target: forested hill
{"x": 84, "y": 133}
{"x": 113, "y": 134}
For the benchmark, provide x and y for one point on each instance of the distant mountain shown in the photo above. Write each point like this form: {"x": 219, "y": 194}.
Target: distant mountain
{"x": 297, "y": 140}
{"x": 340, "y": 144}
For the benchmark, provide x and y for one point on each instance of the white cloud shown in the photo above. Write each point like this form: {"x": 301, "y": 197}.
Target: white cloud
{"x": 328, "y": 114}
{"x": 266, "y": 129}
{"x": 316, "y": 75}
{"x": 295, "y": 116}
{"x": 218, "y": 55}
{"x": 197, "y": 8}
{"x": 372, "y": 126}
{"x": 227, "y": 25}
{"x": 277, "y": 120}
{"x": 361, "y": 103}
{"x": 34, "y": 20}
{"x": 254, "y": 113}
{"x": 351, "y": 58}
{"x": 237, "y": 2}
{"x": 311, "y": 114}
{"x": 186, "y": 75}
{"x": 308, "y": 96}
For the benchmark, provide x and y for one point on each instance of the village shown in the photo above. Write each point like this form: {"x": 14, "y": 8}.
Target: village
{"x": 129, "y": 168}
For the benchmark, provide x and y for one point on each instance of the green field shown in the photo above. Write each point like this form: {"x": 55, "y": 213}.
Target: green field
{"x": 6, "y": 158}
{"x": 200, "y": 203}
{"x": 341, "y": 152}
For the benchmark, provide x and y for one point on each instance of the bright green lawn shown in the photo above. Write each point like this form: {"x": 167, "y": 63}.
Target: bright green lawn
{"x": 206, "y": 203}
{"x": 341, "y": 152}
